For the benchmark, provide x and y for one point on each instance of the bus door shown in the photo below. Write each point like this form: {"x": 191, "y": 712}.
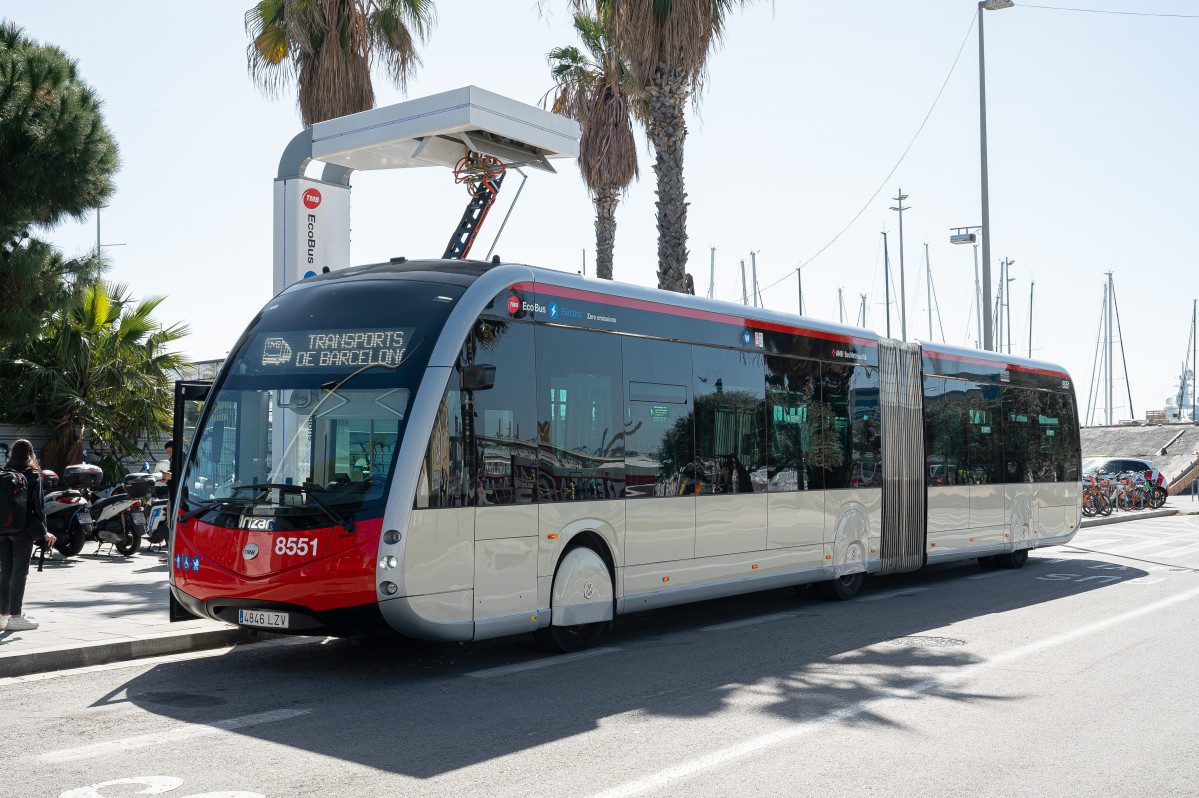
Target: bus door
{"x": 189, "y": 401}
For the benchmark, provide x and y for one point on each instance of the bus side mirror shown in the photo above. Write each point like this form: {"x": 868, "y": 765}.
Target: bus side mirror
{"x": 478, "y": 378}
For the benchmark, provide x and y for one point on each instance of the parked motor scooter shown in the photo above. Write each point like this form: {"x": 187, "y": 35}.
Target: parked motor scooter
{"x": 68, "y": 510}
{"x": 119, "y": 518}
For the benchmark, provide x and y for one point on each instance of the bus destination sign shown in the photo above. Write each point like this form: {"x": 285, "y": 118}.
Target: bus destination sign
{"x": 327, "y": 350}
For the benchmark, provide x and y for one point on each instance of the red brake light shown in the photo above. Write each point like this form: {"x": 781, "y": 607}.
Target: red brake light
{"x": 135, "y": 506}
{"x": 65, "y": 499}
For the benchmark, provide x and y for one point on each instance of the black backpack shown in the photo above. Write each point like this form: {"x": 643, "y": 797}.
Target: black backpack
{"x": 14, "y": 501}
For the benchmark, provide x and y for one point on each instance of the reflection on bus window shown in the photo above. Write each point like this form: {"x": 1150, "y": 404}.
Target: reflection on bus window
{"x": 659, "y": 419}
{"x": 730, "y": 421}
{"x": 579, "y": 412}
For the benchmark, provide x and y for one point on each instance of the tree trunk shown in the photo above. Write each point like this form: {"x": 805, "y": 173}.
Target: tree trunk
{"x": 605, "y": 230}
{"x": 667, "y": 93}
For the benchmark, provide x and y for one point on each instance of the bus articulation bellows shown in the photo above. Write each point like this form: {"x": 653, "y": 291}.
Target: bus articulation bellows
{"x": 459, "y": 450}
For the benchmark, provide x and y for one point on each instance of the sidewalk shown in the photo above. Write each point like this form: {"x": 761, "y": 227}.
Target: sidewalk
{"x": 98, "y": 608}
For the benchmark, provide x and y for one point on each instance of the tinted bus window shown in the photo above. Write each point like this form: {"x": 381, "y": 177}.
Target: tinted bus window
{"x": 984, "y": 436}
{"x": 579, "y": 415}
{"x": 730, "y": 422}
{"x": 1026, "y": 446}
{"x": 443, "y": 480}
{"x": 658, "y": 427}
{"x": 943, "y": 433}
{"x": 500, "y": 422}
{"x": 945, "y": 416}
{"x": 852, "y": 445}
{"x": 794, "y": 415}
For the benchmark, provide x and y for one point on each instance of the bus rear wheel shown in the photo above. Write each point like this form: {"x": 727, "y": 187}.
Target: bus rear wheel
{"x": 568, "y": 639}
{"x": 843, "y": 588}
{"x": 1015, "y": 559}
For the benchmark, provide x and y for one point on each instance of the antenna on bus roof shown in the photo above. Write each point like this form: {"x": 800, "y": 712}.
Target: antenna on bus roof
{"x": 476, "y": 133}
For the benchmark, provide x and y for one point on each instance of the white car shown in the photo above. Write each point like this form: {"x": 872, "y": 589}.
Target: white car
{"x": 1120, "y": 465}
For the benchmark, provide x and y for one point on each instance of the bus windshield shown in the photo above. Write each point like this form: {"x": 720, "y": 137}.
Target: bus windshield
{"x": 315, "y": 399}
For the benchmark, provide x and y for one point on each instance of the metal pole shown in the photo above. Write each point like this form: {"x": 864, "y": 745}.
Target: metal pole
{"x": 840, "y": 306}
{"x": 1110, "y": 348}
{"x": 1031, "y": 286}
{"x": 903, "y": 293}
{"x": 1007, "y": 301}
{"x": 744, "y": 290}
{"x": 862, "y": 312}
{"x": 978, "y": 295}
{"x": 799, "y": 279}
{"x": 1132, "y": 412}
{"x": 753, "y": 260}
{"x": 887, "y": 280}
{"x": 982, "y": 136}
{"x": 712, "y": 277}
{"x": 928, "y": 272}
{"x": 97, "y": 232}
{"x": 1194, "y": 355}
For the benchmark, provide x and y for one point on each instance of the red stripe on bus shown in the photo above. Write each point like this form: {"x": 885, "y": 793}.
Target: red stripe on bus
{"x": 703, "y": 315}
{"x": 981, "y": 362}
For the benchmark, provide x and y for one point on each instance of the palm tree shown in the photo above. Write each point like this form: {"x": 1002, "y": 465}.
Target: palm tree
{"x": 595, "y": 90}
{"x": 666, "y": 45}
{"x": 329, "y": 46}
{"x": 100, "y": 368}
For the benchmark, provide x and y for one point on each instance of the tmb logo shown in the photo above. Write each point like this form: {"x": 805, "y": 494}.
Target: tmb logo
{"x": 312, "y": 198}
{"x": 513, "y": 304}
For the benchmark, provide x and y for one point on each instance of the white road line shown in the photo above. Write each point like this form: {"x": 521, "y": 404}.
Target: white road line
{"x": 1147, "y": 544}
{"x": 544, "y": 662}
{"x": 1090, "y": 544}
{"x": 778, "y": 616}
{"x": 185, "y": 732}
{"x": 907, "y": 591}
{"x": 1177, "y": 552}
{"x": 753, "y": 745}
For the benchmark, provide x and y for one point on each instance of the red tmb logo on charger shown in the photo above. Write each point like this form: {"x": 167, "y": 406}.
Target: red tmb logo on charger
{"x": 312, "y": 198}
{"x": 513, "y": 304}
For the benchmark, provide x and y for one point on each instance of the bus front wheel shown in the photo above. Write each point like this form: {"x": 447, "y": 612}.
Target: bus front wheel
{"x": 1014, "y": 560}
{"x": 843, "y": 588}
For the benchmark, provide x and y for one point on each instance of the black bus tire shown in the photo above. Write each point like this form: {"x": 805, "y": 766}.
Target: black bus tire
{"x": 569, "y": 639}
{"x": 1014, "y": 560}
{"x": 843, "y": 588}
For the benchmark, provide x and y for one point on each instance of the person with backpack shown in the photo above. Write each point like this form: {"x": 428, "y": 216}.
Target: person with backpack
{"x": 22, "y": 525}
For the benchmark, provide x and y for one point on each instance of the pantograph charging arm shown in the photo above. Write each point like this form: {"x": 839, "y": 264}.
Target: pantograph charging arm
{"x": 482, "y": 197}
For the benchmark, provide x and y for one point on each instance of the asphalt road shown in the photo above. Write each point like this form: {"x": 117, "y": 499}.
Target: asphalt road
{"x": 1073, "y": 676}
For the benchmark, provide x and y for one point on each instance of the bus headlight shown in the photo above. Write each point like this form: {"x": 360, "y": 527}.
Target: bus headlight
{"x": 388, "y": 588}
{"x": 391, "y": 537}
{"x": 387, "y": 562}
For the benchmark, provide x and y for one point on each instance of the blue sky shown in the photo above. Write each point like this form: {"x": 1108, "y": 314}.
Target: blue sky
{"x": 1092, "y": 121}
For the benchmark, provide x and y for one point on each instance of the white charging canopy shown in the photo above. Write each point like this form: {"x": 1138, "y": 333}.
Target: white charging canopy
{"x": 312, "y": 216}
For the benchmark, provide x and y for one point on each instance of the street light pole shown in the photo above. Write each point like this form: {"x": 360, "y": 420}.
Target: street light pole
{"x": 985, "y": 5}
{"x": 903, "y": 298}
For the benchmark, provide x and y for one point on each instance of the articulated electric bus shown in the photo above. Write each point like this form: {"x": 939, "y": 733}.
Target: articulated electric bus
{"x": 456, "y": 450}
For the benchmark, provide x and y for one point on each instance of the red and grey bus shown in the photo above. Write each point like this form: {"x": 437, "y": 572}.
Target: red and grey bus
{"x": 457, "y": 450}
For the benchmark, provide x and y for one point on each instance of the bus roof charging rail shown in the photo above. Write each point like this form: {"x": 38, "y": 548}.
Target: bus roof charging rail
{"x": 312, "y": 215}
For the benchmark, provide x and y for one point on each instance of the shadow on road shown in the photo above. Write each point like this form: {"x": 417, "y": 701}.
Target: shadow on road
{"x": 414, "y": 708}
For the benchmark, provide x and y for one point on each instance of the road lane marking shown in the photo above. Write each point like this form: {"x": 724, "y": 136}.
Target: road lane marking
{"x": 778, "y": 616}
{"x": 656, "y": 781}
{"x": 907, "y": 591}
{"x": 1145, "y": 544}
{"x": 544, "y": 662}
{"x": 185, "y": 732}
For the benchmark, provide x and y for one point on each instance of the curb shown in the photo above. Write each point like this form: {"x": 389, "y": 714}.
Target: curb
{"x": 1127, "y": 516}
{"x": 78, "y": 656}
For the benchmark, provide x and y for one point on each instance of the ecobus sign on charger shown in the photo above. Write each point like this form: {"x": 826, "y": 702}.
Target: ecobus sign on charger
{"x": 312, "y": 229}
